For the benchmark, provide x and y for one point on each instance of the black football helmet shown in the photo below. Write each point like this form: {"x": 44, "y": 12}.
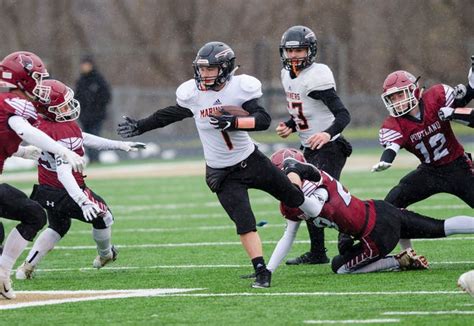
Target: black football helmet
{"x": 214, "y": 54}
{"x": 298, "y": 37}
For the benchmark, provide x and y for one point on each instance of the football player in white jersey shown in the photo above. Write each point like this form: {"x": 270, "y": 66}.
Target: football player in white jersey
{"x": 233, "y": 162}
{"x": 317, "y": 114}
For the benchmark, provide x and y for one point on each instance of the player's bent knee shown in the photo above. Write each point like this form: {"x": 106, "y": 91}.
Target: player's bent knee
{"x": 33, "y": 220}
{"x": 336, "y": 263}
{"x": 395, "y": 197}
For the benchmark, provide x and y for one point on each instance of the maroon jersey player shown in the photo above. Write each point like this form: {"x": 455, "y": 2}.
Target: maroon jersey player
{"x": 420, "y": 123}
{"x": 376, "y": 224}
{"x": 62, "y": 191}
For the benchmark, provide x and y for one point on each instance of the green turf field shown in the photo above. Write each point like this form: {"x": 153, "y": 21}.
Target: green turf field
{"x": 172, "y": 233}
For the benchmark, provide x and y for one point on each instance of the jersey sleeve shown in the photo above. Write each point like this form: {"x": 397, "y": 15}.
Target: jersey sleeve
{"x": 22, "y": 108}
{"x": 251, "y": 88}
{"x": 186, "y": 94}
{"x": 448, "y": 96}
{"x": 320, "y": 78}
{"x": 391, "y": 133}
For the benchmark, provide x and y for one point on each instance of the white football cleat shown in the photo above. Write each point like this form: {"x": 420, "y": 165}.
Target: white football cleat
{"x": 6, "y": 289}
{"x": 466, "y": 282}
{"x": 100, "y": 261}
{"x": 26, "y": 271}
{"x": 409, "y": 260}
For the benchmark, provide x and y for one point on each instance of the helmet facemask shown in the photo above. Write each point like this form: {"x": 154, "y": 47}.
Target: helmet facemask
{"x": 400, "y": 107}
{"x": 296, "y": 64}
{"x": 68, "y": 110}
{"x": 40, "y": 92}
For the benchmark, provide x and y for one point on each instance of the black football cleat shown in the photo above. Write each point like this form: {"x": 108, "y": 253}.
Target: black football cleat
{"x": 306, "y": 171}
{"x": 262, "y": 279}
{"x": 309, "y": 258}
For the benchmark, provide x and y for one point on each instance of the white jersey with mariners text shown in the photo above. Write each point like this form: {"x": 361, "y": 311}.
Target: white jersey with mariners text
{"x": 221, "y": 148}
{"x": 311, "y": 116}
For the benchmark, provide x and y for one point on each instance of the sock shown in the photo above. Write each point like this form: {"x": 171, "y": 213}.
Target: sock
{"x": 12, "y": 249}
{"x": 459, "y": 225}
{"x": 405, "y": 244}
{"x": 388, "y": 263}
{"x": 102, "y": 239}
{"x": 43, "y": 244}
{"x": 258, "y": 264}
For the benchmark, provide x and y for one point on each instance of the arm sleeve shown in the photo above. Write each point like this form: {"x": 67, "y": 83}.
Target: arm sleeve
{"x": 464, "y": 116}
{"x": 283, "y": 246}
{"x": 291, "y": 124}
{"x": 64, "y": 171}
{"x": 261, "y": 117}
{"x": 34, "y": 136}
{"x": 100, "y": 143}
{"x": 164, "y": 117}
{"x": 335, "y": 105}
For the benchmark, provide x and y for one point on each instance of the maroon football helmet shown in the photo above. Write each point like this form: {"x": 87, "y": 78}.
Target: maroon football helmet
{"x": 400, "y": 82}
{"x": 62, "y": 106}
{"x": 280, "y": 155}
{"x": 26, "y": 71}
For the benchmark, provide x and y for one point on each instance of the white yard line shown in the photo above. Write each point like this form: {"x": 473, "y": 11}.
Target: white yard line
{"x": 91, "y": 295}
{"x": 314, "y": 294}
{"x": 189, "y": 266}
{"x": 353, "y": 321}
{"x": 429, "y": 313}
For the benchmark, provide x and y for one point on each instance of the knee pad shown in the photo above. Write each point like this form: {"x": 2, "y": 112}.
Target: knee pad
{"x": 60, "y": 225}
{"x": 33, "y": 219}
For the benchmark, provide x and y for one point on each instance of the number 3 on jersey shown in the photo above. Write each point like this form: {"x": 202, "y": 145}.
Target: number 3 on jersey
{"x": 298, "y": 115}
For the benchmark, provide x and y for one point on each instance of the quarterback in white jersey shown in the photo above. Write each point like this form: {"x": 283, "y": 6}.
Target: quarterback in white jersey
{"x": 317, "y": 114}
{"x": 233, "y": 162}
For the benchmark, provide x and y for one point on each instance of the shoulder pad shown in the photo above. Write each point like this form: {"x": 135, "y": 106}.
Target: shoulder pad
{"x": 319, "y": 77}
{"x": 250, "y": 84}
{"x": 186, "y": 92}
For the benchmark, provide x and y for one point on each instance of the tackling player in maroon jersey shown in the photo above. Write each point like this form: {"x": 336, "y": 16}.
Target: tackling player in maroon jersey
{"x": 420, "y": 123}
{"x": 376, "y": 224}
{"x": 21, "y": 78}
{"x": 63, "y": 192}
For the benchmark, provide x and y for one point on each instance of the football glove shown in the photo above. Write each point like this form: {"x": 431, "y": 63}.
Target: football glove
{"x": 381, "y": 166}
{"x": 130, "y": 146}
{"x": 225, "y": 122}
{"x": 128, "y": 128}
{"x": 446, "y": 113}
{"x": 90, "y": 210}
{"x": 77, "y": 162}
{"x": 28, "y": 152}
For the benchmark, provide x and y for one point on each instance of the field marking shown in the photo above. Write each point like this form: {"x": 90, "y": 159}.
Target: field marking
{"x": 190, "y": 266}
{"x": 313, "y": 294}
{"x": 85, "y": 295}
{"x": 222, "y": 243}
{"x": 429, "y": 313}
{"x": 353, "y": 321}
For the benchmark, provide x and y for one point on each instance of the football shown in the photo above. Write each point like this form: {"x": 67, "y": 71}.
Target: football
{"x": 466, "y": 282}
{"x": 232, "y": 110}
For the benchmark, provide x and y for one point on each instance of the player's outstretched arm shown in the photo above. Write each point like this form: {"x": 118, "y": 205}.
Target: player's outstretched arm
{"x": 130, "y": 127}
{"x": 387, "y": 158}
{"x": 101, "y": 143}
{"x": 283, "y": 246}
{"x": 39, "y": 139}
{"x": 464, "y": 116}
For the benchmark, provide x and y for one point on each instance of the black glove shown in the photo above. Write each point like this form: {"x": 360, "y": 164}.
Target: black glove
{"x": 128, "y": 128}
{"x": 344, "y": 243}
{"x": 225, "y": 122}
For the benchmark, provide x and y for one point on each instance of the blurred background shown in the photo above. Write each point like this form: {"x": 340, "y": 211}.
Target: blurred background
{"x": 144, "y": 49}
